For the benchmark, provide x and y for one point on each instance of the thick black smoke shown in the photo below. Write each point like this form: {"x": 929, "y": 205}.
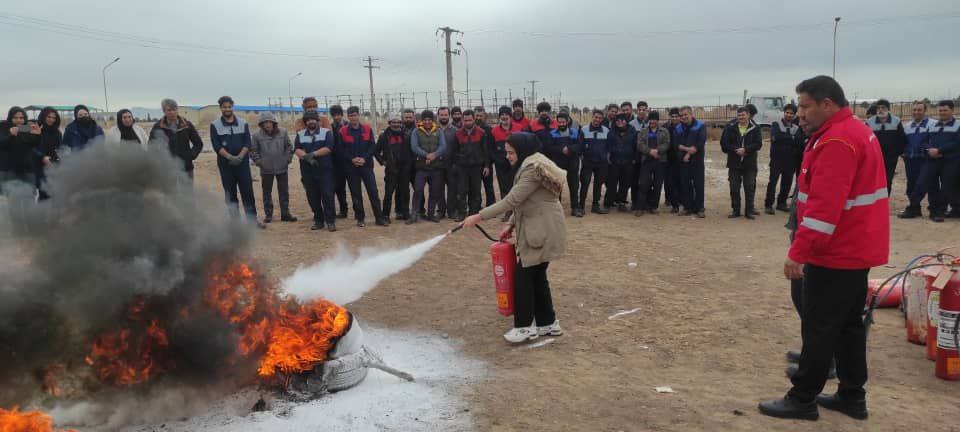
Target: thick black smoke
{"x": 122, "y": 222}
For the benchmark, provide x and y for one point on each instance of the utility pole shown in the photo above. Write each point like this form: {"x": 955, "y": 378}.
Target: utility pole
{"x": 447, "y": 31}
{"x": 836, "y": 25}
{"x": 533, "y": 92}
{"x": 373, "y": 103}
{"x": 481, "y": 99}
{"x": 106, "y": 102}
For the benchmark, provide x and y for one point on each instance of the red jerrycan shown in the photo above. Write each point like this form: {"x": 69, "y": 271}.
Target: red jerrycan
{"x": 915, "y": 300}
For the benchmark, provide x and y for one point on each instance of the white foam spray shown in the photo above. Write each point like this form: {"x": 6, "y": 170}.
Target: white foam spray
{"x": 345, "y": 277}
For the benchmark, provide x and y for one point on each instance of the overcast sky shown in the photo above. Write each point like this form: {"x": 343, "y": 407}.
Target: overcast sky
{"x": 666, "y": 52}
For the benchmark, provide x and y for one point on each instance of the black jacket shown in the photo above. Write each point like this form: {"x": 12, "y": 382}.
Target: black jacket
{"x": 16, "y": 151}
{"x": 183, "y": 142}
{"x": 752, "y": 141}
{"x": 786, "y": 144}
{"x": 393, "y": 149}
{"x": 890, "y": 134}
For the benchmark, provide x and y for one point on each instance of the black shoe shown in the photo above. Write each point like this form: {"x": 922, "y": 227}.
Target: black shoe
{"x": 783, "y": 207}
{"x": 909, "y": 214}
{"x": 403, "y": 217}
{"x": 685, "y": 212}
{"x": 506, "y": 217}
{"x": 361, "y": 223}
{"x": 596, "y": 208}
{"x": 675, "y": 210}
{"x": 332, "y": 227}
{"x": 459, "y": 218}
{"x": 342, "y": 214}
{"x": 733, "y": 215}
{"x": 701, "y": 214}
{"x": 793, "y": 356}
{"x": 261, "y": 225}
{"x": 750, "y": 215}
{"x": 788, "y": 408}
{"x": 653, "y": 211}
{"x": 580, "y": 213}
{"x": 622, "y": 208}
{"x": 769, "y": 211}
{"x": 288, "y": 218}
{"x": 414, "y": 218}
{"x": 316, "y": 226}
{"x": 853, "y": 408}
{"x": 573, "y": 211}
{"x": 936, "y": 218}
{"x": 267, "y": 219}
{"x": 792, "y": 370}
{"x": 381, "y": 222}
{"x": 753, "y": 212}
{"x": 953, "y": 214}
{"x": 432, "y": 218}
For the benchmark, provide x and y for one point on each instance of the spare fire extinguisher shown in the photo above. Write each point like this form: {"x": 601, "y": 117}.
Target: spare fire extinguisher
{"x": 504, "y": 257}
{"x": 947, "y": 354}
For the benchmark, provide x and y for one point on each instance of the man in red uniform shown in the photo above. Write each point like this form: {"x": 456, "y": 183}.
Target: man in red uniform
{"x": 844, "y": 230}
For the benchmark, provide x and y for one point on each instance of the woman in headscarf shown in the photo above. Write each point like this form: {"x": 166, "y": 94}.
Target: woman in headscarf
{"x": 82, "y": 131}
{"x": 127, "y": 131}
{"x": 541, "y": 235}
{"x": 45, "y": 153}
{"x": 17, "y": 141}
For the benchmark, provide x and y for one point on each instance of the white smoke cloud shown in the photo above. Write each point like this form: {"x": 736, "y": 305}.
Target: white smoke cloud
{"x": 345, "y": 277}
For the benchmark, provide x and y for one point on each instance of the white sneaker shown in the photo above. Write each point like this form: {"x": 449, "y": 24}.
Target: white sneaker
{"x": 551, "y": 330}
{"x": 521, "y": 334}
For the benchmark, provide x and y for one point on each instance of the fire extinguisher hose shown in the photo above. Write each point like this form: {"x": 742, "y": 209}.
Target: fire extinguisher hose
{"x": 480, "y": 228}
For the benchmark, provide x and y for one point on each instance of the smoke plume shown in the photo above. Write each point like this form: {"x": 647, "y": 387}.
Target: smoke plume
{"x": 344, "y": 277}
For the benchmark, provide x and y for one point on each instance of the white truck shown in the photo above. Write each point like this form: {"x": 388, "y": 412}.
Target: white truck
{"x": 769, "y": 107}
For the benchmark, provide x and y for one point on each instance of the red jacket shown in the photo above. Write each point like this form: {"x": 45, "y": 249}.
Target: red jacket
{"x": 842, "y": 204}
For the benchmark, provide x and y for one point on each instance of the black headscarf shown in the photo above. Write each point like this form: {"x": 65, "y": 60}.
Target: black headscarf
{"x": 126, "y": 132}
{"x": 525, "y": 144}
{"x": 50, "y": 136}
{"x": 86, "y": 121}
{"x": 13, "y": 111}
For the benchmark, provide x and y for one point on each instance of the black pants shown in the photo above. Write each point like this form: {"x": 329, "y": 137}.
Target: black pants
{"x": 531, "y": 296}
{"x": 470, "y": 195}
{"x": 692, "y": 184}
{"x": 340, "y": 186}
{"x": 396, "y": 184}
{"x": 932, "y": 182}
{"x": 598, "y": 172}
{"x": 319, "y": 188}
{"x": 433, "y": 177}
{"x": 572, "y": 165}
{"x": 363, "y": 175}
{"x": 651, "y": 180}
{"x": 283, "y": 190}
{"x": 831, "y": 323}
{"x": 504, "y": 176}
{"x": 234, "y": 178}
{"x": 449, "y": 201}
{"x": 890, "y": 164}
{"x": 747, "y": 177}
{"x": 671, "y": 183}
{"x": 488, "y": 191}
{"x": 951, "y": 183}
{"x": 618, "y": 182}
{"x": 779, "y": 173}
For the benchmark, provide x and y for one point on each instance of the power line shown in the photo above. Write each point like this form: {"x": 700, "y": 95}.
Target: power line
{"x": 141, "y": 41}
{"x": 736, "y": 30}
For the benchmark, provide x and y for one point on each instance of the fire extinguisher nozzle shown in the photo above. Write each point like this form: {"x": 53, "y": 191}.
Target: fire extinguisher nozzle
{"x": 455, "y": 229}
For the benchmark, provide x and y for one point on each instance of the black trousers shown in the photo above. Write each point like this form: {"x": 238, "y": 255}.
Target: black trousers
{"x": 951, "y": 183}
{"x": 619, "y": 179}
{"x": 651, "y": 181}
{"x": 779, "y": 173}
{"x": 470, "y": 195}
{"x": 692, "y": 184}
{"x": 573, "y": 180}
{"x": 598, "y": 172}
{"x": 747, "y": 177}
{"x": 234, "y": 178}
{"x": 283, "y": 190}
{"x": 319, "y": 188}
{"x": 449, "y": 202}
{"x": 340, "y": 186}
{"x": 504, "y": 177}
{"x": 831, "y": 323}
{"x": 488, "y": 191}
{"x": 363, "y": 175}
{"x": 531, "y": 296}
{"x": 890, "y": 164}
{"x": 434, "y": 179}
{"x": 671, "y": 183}
{"x": 396, "y": 189}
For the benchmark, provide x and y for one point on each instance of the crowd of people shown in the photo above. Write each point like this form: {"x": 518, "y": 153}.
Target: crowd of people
{"x": 451, "y": 159}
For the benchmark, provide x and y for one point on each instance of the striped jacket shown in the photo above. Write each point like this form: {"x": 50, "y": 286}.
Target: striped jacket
{"x": 842, "y": 202}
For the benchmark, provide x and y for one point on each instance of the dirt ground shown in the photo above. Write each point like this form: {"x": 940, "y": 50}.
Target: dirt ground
{"x": 714, "y": 323}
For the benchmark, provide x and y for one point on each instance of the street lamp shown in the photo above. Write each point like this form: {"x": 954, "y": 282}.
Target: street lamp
{"x": 106, "y": 102}
{"x": 467, "y": 55}
{"x": 836, "y": 24}
{"x": 290, "y": 91}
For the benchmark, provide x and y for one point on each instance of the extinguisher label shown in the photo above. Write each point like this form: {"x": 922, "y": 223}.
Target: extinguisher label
{"x": 945, "y": 331}
{"x": 933, "y": 307}
{"x": 498, "y": 270}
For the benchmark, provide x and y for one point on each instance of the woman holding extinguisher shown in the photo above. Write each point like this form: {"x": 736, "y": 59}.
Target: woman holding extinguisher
{"x": 541, "y": 235}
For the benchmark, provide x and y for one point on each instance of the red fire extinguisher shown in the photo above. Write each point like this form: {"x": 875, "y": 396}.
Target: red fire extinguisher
{"x": 933, "y": 315}
{"x": 947, "y": 354}
{"x": 504, "y": 255}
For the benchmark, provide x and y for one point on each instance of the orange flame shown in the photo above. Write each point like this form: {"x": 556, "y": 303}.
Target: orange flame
{"x": 124, "y": 358}
{"x": 25, "y": 421}
{"x": 302, "y": 336}
{"x": 238, "y": 295}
